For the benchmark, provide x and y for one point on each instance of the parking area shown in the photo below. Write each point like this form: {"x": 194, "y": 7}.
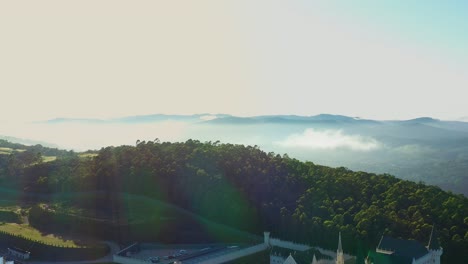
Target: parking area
{"x": 208, "y": 255}
{"x": 8, "y": 257}
{"x": 162, "y": 253}
{"x": 186, "y": 254}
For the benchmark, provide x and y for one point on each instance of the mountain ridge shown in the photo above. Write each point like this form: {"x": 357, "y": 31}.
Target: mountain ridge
{"x": 246, "y": 119}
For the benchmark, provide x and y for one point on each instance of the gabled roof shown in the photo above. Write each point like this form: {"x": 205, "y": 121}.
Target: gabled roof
{"x": 400, "y": 247}
{"x": 290, "y": 260}
{"x": 300, "y": 256}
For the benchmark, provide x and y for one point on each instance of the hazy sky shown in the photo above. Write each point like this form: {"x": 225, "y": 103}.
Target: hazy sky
{"x": 392, "y": 60}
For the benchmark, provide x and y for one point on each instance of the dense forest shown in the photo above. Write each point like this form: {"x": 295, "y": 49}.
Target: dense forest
{"x": 250, "y": 190}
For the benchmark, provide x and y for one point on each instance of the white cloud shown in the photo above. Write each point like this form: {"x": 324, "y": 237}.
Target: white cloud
{"x": 83, "y": 136}
{"x": 329, "y": 140}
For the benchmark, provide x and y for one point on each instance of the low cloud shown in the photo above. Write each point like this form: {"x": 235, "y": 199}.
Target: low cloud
{"x": 413, "y": 149}
{"x": 84, "y": 136}
{"x": 208, "y": 117}
{"x": 329, "y": 140}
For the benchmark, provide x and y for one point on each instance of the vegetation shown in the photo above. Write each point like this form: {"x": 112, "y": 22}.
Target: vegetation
{"x": 8, "y": 216}
{"x": 248, "y": 189}
{"x": 7, "y": 151}
{"x": 139, "y": 218}
{"x": 25, "y": 231}
{"x": 15, "y": 147}
{"x": 42, "y": 251}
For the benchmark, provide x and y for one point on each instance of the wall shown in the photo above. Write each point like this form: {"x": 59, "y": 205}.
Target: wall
{"x": 333, "y": 253}
{"x": 325, "y": 261}
{"x": 235, "y": 255}
{"x": 289, "y": 245}
{"x": 426, "y": 259}
{"x": 276, "y": 259}
{"x": 125, "y": 260}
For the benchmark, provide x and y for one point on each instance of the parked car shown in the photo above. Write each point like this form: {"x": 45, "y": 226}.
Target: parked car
{"x": 153, "y": 259}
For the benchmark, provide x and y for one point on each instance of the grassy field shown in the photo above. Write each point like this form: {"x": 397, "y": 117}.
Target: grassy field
{"x": 33, "y": 234}
{"x": 4, "y": 150}
{"x": 87, "y": 155}
{"x": 150, "y": 219}
{"x": 143, "y": 217}
{"x": 7, "y": 151}
{"x": 48, "y": 158}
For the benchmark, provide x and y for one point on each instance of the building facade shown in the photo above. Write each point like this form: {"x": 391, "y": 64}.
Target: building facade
{"x": 282, "y": 255}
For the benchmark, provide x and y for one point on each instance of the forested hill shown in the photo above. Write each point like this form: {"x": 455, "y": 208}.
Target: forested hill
{"x": 7, "y": 147}
{"x": 251, "y": 190}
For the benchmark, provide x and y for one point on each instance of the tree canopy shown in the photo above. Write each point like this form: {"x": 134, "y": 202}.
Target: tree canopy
{"x": 251, "y": 190}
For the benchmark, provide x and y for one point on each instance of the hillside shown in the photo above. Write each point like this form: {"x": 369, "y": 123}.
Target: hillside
{"x": 421, "y": 149}
{"x": 250, "y": 190}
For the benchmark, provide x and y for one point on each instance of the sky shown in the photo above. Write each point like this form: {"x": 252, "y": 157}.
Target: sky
{"x": 103, "y": 58}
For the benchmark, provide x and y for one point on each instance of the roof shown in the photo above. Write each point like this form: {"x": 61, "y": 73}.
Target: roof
{"x": 19, "y": 250}
{"x": 299, "y": 256}
{"x": 340, "y": 248}
{"x": 380, "y": 258}
{"x": 401, "y": 247}
{"x": 290, "y": 260}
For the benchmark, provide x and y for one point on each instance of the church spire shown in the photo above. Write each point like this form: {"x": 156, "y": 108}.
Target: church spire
{"x": 314, "y": 260}
{"x": 340, "y": 249}
{"x": 339, "y": 252}
{"x": 433, "y": 240}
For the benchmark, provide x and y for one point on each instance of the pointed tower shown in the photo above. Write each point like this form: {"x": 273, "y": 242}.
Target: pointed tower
{"x": 339, "y": 251}
{"x": 434, "y": 247}
{"x": 314, "y": 260}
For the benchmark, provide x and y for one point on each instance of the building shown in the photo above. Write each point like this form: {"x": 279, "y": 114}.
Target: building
{"x": 5, "y": 261}
{"x": 339, "y": 252}
{"x": 19, "y": 253}
{"x": 300, "y": 257}
{"x": 280, "y": 255}
{"x": 391, "y": 250}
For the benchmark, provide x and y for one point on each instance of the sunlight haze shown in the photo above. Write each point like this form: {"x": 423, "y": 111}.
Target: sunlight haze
{"x": 101, "y": 59}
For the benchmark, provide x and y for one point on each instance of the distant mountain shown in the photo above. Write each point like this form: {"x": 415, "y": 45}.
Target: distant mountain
{"x": 73, "y": 120}
{"x": 291, "y": 119}
{"x": 139, "y": 119}
{"x": 28, "y": 142}
{"x": 421, "y": 120}
{"x": 420, "y": 149}
{"x": 230, "y": 119}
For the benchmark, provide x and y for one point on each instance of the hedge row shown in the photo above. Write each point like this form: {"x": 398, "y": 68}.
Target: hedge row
{"x": 9, "y": 216}
{"x": 41, "y": 251}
